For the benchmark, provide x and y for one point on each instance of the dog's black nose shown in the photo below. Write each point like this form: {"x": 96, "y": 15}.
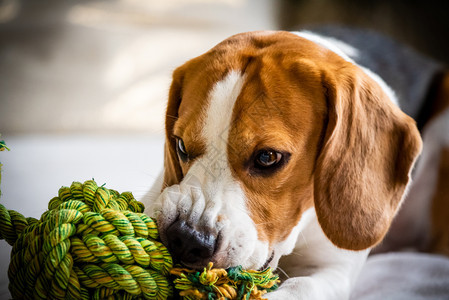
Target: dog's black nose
{"x": 189, "y": 245}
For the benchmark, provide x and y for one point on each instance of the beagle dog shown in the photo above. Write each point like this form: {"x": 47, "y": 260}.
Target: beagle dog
{"x": 282, "y": 151}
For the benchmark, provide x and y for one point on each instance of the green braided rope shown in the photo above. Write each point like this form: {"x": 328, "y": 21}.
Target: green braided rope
{"x": 92, "y": 243}
{"x": 95, "y": 243}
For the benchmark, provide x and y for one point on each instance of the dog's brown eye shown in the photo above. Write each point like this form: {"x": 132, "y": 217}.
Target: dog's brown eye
{"x": 181, "y": 148}
{"x": 267, "y": 158}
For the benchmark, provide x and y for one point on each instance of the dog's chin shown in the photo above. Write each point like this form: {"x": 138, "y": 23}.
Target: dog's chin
{"x": 258, "y": 260}
{"x": 199, "y": 266}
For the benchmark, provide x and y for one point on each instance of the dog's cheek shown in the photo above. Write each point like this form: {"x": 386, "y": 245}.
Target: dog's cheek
{"x": 286, "y": 246}
{"x": 247, "y": 250}
{"x": 239, "y": 239}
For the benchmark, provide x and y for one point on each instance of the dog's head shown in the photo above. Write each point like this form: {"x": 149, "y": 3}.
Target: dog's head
{"x": 266, "y": 126}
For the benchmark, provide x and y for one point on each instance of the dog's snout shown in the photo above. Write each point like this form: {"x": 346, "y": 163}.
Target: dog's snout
{"x": 189, "y": 245}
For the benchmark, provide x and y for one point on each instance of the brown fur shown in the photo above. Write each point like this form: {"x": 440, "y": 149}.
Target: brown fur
{"x": 440, "y": 208}
{"x": 283, "y": 112}
{"x": 351, "y": 149}
{"x": 439, "y": 240}
{"x": 365, "y": 165}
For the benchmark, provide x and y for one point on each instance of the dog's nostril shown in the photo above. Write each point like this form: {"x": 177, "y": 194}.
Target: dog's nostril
{"x": 196, "y": 252}
{"x": 177, "y": 243}
{"x": 188, "y": 244}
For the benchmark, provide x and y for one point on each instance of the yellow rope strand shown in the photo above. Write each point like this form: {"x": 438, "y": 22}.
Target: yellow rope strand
{"x": 233, "y": 283}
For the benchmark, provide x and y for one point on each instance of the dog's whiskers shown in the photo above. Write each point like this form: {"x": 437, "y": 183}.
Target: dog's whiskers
{"x": 301, "y": 235}
{"x": 172, "y": 117}
{"x": 283, "y": 272}
{"x": 296, "y": 253}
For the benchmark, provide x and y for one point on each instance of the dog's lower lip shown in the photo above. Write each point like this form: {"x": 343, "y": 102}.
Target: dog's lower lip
{"x": 198, "y": 267}
{"x": 265, "y": 265}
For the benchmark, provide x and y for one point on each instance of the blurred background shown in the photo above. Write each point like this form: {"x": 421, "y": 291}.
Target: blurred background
{"x": 83, "y": 84}
{"x": 104, "y": 66}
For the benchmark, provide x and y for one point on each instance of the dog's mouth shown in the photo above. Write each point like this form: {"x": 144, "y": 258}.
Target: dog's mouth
{"x": 201, "y": 265}
{"x": 265, "y": 265}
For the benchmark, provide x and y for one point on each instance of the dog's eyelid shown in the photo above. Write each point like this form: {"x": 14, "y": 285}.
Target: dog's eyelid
{"x": 265, "y": 171}
{"x": 181, "y": 148}
{"x": 272, "y": 149}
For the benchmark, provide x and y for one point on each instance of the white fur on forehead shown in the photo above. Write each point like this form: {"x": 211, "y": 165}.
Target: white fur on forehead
{"x": 219, "y": 112}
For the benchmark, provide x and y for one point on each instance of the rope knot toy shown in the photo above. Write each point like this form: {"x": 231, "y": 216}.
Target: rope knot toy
{"x": 96, "y": 243}
{"x": 92, "y": 243}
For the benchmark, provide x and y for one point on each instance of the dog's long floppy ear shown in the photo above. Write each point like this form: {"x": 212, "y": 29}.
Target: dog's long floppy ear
{"x": 369, "y": 149}
{"x": 172, "y": 169}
